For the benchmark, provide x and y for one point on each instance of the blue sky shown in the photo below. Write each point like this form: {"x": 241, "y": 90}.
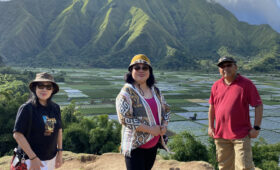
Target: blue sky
{"x": 255, "y": 11}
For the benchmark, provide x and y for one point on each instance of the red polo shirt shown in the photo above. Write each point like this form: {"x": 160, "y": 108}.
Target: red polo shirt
{"x": 231, "y": 104}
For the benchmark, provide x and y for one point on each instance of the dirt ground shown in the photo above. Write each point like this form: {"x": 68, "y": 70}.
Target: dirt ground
{"x": 113, "y": 161}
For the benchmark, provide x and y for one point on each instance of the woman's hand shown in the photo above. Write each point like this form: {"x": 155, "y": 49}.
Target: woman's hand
{"x": 36, "y": 164}
{"x": 155, "y": 130}
{"x": 58, "y": 159}
{"x": 163, "y": 130}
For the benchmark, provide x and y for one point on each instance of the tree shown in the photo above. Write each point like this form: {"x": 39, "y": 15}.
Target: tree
{"x": 97, "y": 134}
{"x": 266, "y": 156}
{"x": 75, "y": 139}
{"x": 106, "y": 136}
{"x": 67, "y": 115}
{"x": 13, "y": 93}
{"x": 187, "y": 148}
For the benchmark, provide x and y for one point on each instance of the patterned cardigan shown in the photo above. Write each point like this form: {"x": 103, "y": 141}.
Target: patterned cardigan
{"x": 133, "y": 110}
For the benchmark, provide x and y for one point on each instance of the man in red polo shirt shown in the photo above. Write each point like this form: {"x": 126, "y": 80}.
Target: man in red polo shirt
{"x": 229, "y": 109}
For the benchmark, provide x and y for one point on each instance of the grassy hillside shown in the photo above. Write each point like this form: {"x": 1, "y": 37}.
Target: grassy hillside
{"x": 181, "y": 34}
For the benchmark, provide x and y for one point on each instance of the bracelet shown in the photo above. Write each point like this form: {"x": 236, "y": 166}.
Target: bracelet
{"x": 59, "y": 149}
{"x": 33, "y": 157}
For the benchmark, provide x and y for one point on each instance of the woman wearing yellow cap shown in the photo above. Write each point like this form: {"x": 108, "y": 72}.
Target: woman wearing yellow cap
{"x": 143, "y": 113}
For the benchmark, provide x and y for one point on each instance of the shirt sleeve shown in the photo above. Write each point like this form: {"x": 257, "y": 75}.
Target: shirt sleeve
{"x": 22, "y": 119}
{"x": 124, "y": 112}
{"x": 254, "y": 98}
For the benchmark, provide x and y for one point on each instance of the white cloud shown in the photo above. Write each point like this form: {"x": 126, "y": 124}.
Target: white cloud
{"x": 4, "y": 0}
{"x": 255, "y": 11}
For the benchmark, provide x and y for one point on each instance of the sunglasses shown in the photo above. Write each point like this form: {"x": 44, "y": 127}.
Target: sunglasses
{"x": 42, "y": 86}
{"x": 226, "y": 65}
{"x": 144, "y": 68}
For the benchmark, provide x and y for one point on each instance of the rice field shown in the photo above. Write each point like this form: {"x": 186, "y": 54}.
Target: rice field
{"x": 95, "y": 90}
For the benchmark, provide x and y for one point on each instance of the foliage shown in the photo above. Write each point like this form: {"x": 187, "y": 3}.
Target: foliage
{"x": 212, "y": 153}
{"x": 60, "y": 77}
{"x": 95, "y": 134}
{"x": 187, "y": 148}
{"x": 266, "y": 156}
{"x": 67, "y": 115}
{"x": 174, "y": 34}
{"x": 75, "y": 139}
{"x": 13, "y": 93}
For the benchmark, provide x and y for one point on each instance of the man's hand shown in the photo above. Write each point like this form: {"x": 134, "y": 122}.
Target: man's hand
{"x": 254, "y": 133}
{"x": 211, "y": 132}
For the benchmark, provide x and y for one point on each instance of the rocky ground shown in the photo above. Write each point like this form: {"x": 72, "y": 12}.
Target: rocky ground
{"x": 113, "y": 161}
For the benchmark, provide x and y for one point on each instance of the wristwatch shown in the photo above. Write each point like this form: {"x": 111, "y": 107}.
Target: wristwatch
{"x": 257, "y": 128}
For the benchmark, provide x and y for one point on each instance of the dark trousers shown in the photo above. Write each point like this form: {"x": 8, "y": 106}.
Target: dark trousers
{"x": 141, "y": 159}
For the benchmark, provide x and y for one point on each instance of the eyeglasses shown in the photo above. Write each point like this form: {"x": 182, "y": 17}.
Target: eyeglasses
{"x": 144, "y": 68}
{"x": 226, "y": 65}
{"x": 42, "y": 86}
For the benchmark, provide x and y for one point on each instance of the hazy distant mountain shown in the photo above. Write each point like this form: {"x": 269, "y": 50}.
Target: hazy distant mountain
{"x": 255, "y": 12}
{"x": 1, "y": 61}
{"x": 107, "y": 33}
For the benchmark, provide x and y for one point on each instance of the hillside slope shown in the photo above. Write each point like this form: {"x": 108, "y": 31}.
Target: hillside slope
{"x": 99, "y": 33}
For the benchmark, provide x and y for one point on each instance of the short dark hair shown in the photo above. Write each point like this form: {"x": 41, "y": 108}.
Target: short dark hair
{"x": 150, "y": 81}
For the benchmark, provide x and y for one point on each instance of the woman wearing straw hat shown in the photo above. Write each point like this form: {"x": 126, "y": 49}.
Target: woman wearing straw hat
{"x": 40, "y": 118}
{"x": 143, "y": 113}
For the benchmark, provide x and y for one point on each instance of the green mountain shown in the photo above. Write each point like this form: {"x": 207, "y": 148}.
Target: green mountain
{"x": 1, "y": 61}
{"x": 175, "y": 34}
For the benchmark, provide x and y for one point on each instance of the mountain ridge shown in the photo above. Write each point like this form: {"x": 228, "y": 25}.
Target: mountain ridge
{"x": 175, "y": 34}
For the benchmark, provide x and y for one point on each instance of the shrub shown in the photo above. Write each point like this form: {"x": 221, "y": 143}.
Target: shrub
{"x": 187, "y": 148}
